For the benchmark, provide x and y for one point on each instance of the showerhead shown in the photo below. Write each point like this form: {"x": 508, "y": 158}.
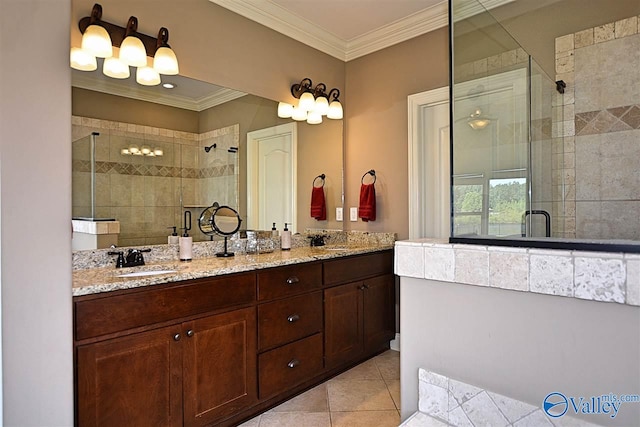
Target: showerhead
{"x": 207, "y": 149}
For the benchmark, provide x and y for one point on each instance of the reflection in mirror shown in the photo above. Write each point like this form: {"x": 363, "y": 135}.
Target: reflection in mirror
{"x": 201, "y": 134}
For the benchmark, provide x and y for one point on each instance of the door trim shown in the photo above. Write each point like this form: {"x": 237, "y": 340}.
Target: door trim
{"x": 416, "y": 104}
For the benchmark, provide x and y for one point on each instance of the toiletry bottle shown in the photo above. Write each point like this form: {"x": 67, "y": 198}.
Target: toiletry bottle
{"x": 186, "y": 242}
{"x": 174, "y": 239}
{"x": 286, "y": 238}
{"x": 274, "y": 231}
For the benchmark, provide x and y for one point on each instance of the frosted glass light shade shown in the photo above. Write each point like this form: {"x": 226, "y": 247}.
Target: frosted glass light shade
{"x": 321, "y": 105}
{"x": 147, "y": 76}
{"x": 96, "y": 41}
{"x": 115, "y": 68}
{"x": 299, "y": 114}
{"x": 132, "y": 52}
{"x": 285, "y": 110}
{"x": 165, "y": 61}
{"x": 314, "y": 118}
{"x": 158, "y": 152}
{"x": 335, "y": 110}
{"x": 307, "y": 101}
{"x": 82, "y": 60}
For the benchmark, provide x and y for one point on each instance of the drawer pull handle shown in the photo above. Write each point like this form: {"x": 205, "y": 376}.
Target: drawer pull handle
{"x": 190, "y": 333}
{"x": 293, "y": 318}
{"x": 176, "y": 337}
{"x": 293, "y": 363}
{"x": 292, "y": 280}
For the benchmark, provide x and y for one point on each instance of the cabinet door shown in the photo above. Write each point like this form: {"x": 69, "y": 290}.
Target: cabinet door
{"x": 131, "y": 381}
{"x": 379, "y": 312}
{"x": 343, "y": 326}
{"x": 220, "y": 375}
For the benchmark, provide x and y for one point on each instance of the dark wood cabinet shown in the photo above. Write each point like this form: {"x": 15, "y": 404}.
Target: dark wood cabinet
{"x": 217, "y": 351}
{"x": 132, "y": 380}
{"x": 359, "y": 315}
{"x": 206, "y": 366}
{"x": 219, "y": 366}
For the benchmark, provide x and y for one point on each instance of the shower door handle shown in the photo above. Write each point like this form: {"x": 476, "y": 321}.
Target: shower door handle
{"x": 547, "y": 221}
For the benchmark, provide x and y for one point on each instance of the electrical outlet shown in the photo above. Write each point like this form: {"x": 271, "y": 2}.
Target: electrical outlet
{"x": 353, "y": 214}
{"x": 338, "y": 214}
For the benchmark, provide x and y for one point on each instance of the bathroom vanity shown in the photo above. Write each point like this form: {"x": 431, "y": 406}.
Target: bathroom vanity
{"x": 221, "y": 340}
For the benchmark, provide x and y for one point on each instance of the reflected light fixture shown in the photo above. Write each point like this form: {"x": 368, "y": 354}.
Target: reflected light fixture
{"x": 99, "y": 38}
{"x": 133, "y": 150}
{"x": 313, "y": 103}
{"x": 477, "y": 121}
{"x": 147, "y": 76}
{"x": 82, "y": 60}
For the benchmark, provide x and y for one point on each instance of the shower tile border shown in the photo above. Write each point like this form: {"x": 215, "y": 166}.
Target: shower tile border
{"x": 612, "y": 277}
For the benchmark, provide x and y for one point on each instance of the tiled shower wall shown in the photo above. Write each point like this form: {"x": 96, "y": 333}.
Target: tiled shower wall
{"x": 601, "y": 121}
{"x": 149, "y": 194}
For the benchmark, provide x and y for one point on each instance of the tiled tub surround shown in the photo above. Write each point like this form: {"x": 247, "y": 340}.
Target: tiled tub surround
{"x": 94, "y": 271}
{"x": 599, "y": 116}
{"x": 147, "y": 194}
{"x": 596, "y": 276}
{"x": 444, "y": 401}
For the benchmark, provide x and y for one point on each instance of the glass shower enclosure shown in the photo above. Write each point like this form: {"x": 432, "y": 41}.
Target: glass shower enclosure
{"x": 507, "y": 144}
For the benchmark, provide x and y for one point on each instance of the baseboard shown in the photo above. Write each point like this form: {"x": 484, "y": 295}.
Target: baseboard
{"x": 395, "y": 343}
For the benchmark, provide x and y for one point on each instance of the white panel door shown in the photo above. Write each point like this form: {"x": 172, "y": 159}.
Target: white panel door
{"x": 271, "y": 177}
{"x": 429, "y": 164}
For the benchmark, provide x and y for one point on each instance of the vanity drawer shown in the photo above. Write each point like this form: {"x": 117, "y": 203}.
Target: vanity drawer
{"x": 349, "y": 269}
{"x": 287, "y": 320}
{"x": 117, "y": 313}
{"x": 289, "y": 280}
{"x": 286, "y": 366}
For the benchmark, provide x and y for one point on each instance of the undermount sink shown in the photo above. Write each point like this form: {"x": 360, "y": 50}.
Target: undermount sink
{"x": 146, "y": 273}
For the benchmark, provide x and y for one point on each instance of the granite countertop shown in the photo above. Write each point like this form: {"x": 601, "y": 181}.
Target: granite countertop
{"x": 98, "y": 280}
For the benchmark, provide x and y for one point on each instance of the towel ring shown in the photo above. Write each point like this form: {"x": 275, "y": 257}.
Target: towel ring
{"x": 322, "y": 177}
{"x": 372, "y": 173}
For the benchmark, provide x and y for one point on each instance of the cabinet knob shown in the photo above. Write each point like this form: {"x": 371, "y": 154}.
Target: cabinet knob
{"x": 293, "y": 318}
{"x": 293, "y": 363}
{"x": 365, "y": 286}
{"x": 176, "y": 337}
{"x": 361, "y": 288}
{"x": 190, "y": 333}
{"x": 292, "y": 280}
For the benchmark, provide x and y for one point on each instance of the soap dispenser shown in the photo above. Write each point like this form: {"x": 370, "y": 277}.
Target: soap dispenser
{"x": 274, "y": 231}
{"x": 185, "y": 241}
{"x": 286, "y": 238}
{"x": 174, "y": 239}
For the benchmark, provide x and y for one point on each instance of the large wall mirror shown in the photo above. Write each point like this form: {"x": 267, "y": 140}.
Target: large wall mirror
{"x": 158, "y": 152}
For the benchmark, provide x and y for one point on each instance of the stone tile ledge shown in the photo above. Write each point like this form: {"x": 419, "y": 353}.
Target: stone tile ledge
{"x": 443, "y": 401}
{"x": 596, "y": 276}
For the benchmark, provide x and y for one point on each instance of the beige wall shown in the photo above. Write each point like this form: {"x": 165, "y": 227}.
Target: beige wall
{"x": 88, "y": 103}
{"x": 376, "y": 123}
{"x": 35, "y": 165}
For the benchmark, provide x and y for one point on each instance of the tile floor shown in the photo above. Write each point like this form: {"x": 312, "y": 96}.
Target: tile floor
{"x": 367, "y": 395}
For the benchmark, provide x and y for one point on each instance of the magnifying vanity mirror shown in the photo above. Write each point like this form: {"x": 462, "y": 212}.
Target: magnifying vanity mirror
{"x": 160, "y": 152}
{"x": 221, "y": 220}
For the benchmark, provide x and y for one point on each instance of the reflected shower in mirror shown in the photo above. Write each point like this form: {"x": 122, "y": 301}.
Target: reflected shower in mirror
{"x": 160, "y": 152}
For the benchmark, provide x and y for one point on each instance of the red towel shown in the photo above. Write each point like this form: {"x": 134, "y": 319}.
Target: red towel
{"x": 367, "y": 209}
{"x": 318, "y": 205}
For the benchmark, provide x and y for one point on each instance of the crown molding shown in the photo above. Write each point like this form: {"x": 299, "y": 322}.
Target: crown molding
{"x": 277, "y": 18}
{"x": 140, "y": 94}
{"x": 414, "y": 25}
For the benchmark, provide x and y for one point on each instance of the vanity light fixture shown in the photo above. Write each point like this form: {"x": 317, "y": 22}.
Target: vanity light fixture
{"x": 133, "y": 150}
{"x": 313, "y": 103}
{"x": 98, "y": 40}
{"x": 478, "y": 121}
